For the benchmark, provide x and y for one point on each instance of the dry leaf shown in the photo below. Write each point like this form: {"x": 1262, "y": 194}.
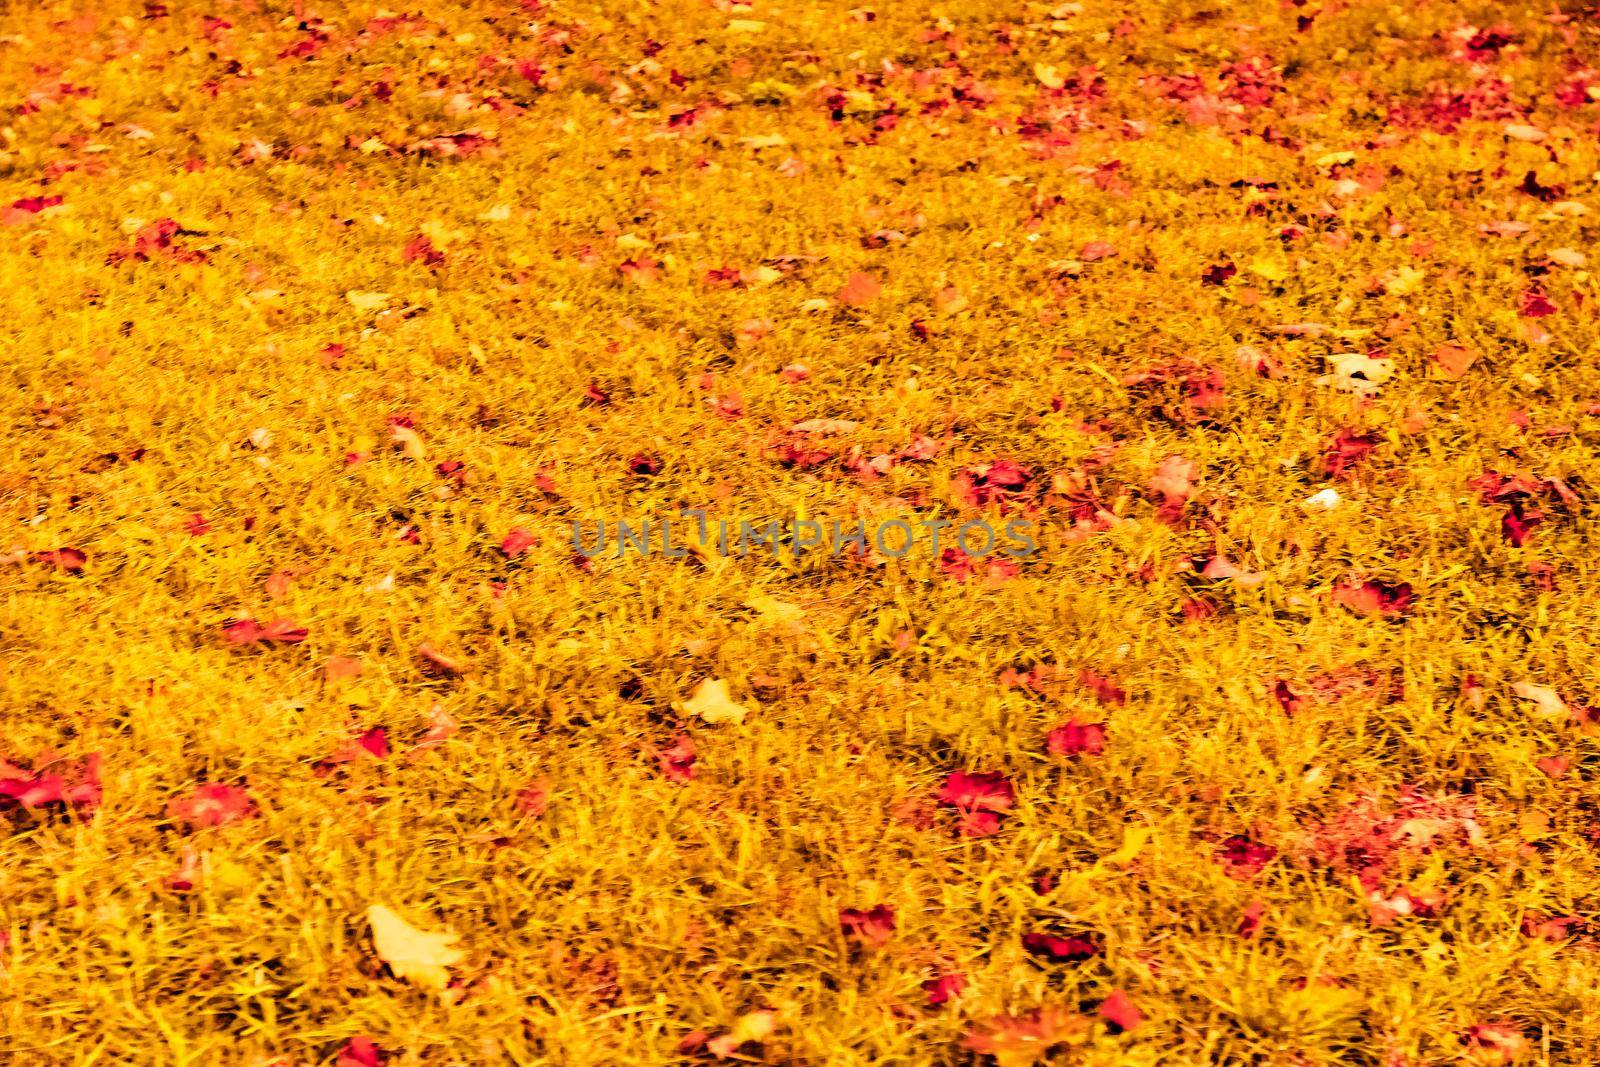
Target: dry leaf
{"x": 1548, "y": 700}
{"x": 712, "y": 702}
{"x": 415, "y": 955}
{"x": 409, "y": 442}
{"x": 754, "y": 1026}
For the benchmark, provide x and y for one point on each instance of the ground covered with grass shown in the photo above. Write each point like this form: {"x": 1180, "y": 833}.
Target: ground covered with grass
{"x": 324, "y": 323}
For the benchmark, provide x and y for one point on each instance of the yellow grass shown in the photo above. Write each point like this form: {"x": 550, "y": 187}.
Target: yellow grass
{"x": 572, "y": 234}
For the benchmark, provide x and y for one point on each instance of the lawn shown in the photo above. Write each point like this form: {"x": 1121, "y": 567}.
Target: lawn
{"x": 1260, "y": 337}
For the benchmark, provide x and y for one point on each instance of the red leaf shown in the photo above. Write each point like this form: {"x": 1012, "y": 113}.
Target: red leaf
{"x": 360, "y": 1051}
{"x": 516, "y": 543}
{"x": 373, "y": 744}
{"x": 420, "y": 248}
{"x": 677, "y": 762}
{"x": 341, "y": 667}
{"x": 1373, "y": 597}
{"x": 1243, "y": 858}
{"x": 66, "y": 786}
{"x": 439, "y": 665}
{"x": 1250, "y": 921}
{"x": 1074, "y": 738}
{"x": 1345, "y": 450}
{"x": 1118, "y": 1010}
{"x": 943, "y": 987}
{"x": 874, "y": 926}
{"x": 70, "y": 560}
{"x": 1059, "y": 948}
{"x": 644, "y": 464}
{"x": 212, "y": 804}
{"x": 246, "y": 631}
{"x": 1454, "y": 360}
{"x": 534, "y": 797}
{"x": 980, "y": 799}
{"x": 860, "y": 290}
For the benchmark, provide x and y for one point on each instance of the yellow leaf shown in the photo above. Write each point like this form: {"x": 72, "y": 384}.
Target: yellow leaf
{"x": 754, "y": 1026}
{"x": 1406, "y": 280}
{"x": 1548, "y": 700}
{"x": 415, "y": 955}
{"x": 1134, "y": 838}
{"x": 410, "y": 442}
{"x": 366, "y": 301}
{"x": 762, "y": 275}
{"x": 775, "y": 612}
{"x": 766, "y": 140}
{"x": 712, "y": 702}
{"x": 1271, "y": 271}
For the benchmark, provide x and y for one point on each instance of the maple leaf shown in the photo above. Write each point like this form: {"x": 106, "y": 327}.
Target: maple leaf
{"x": 1171, "y": 481}
{"x": 677, "y": 762}
{"x": 1345, "y": 450}
{"x": 644, "y": 464}
{"x": 439, "y": 665}
{"x": 360, "y": 1051}
{"x": 943, "y": 986}
{"x": 1118, "y": 1009}
{"x": 64, "y": 785}
{"x": 340, "y": 668}
{"x": 1250, "y": 919}
{"x": 1547, "y": 700}
{"x": 414, "y": 955}
{"x": 1454, "y": 360}
{"x": 1024, "y": 1040}
{"x": 212, "y": 804}
{"x": 981, "y": 799}
{"x": 1075, "y": 738}
{"x": 407, "y": 441}
{"x": 1374, "y": 597}
{"x": 442, "y": 726}
{"x": 534, "y": 797}
{"x": 371, "y": 744}
{"x": 1243, "y": 858}
{"x": 859, "y": 290}
{"x": 712, "y": 702}
{"x": 246, "y": 631}
{"x": 873, "y": 926}
{"x": 1059, "y": 948}
{"x": 752, "y": 1026}
{"x": 69, "y": 560}
{"x": 1219, "y": 566}
{"x": 1554, "y": 928}
{"x": 1496, "y": 1043}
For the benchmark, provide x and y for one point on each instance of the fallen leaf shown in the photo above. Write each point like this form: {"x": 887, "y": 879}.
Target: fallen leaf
{"x": 1119, "y": 1010}
{"x": 414, "y": 955}
{"x": 712, "y": 703}
{"x": 752, "y": 1026}
{"x": 1547, "y": 700}
{"x": 1024, "y": 1040}
{"x": 859, "y": 290}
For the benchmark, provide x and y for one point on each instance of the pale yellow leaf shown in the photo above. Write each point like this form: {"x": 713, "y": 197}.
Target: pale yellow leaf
{"x": 415, "y": 955}
{"x": 1547, "y": 699}
{"x": 366, "y": 301}
{"x": 712, "y": 702}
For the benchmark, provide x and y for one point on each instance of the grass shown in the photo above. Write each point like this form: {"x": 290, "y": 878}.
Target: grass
{"x": 455, "y": 272}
